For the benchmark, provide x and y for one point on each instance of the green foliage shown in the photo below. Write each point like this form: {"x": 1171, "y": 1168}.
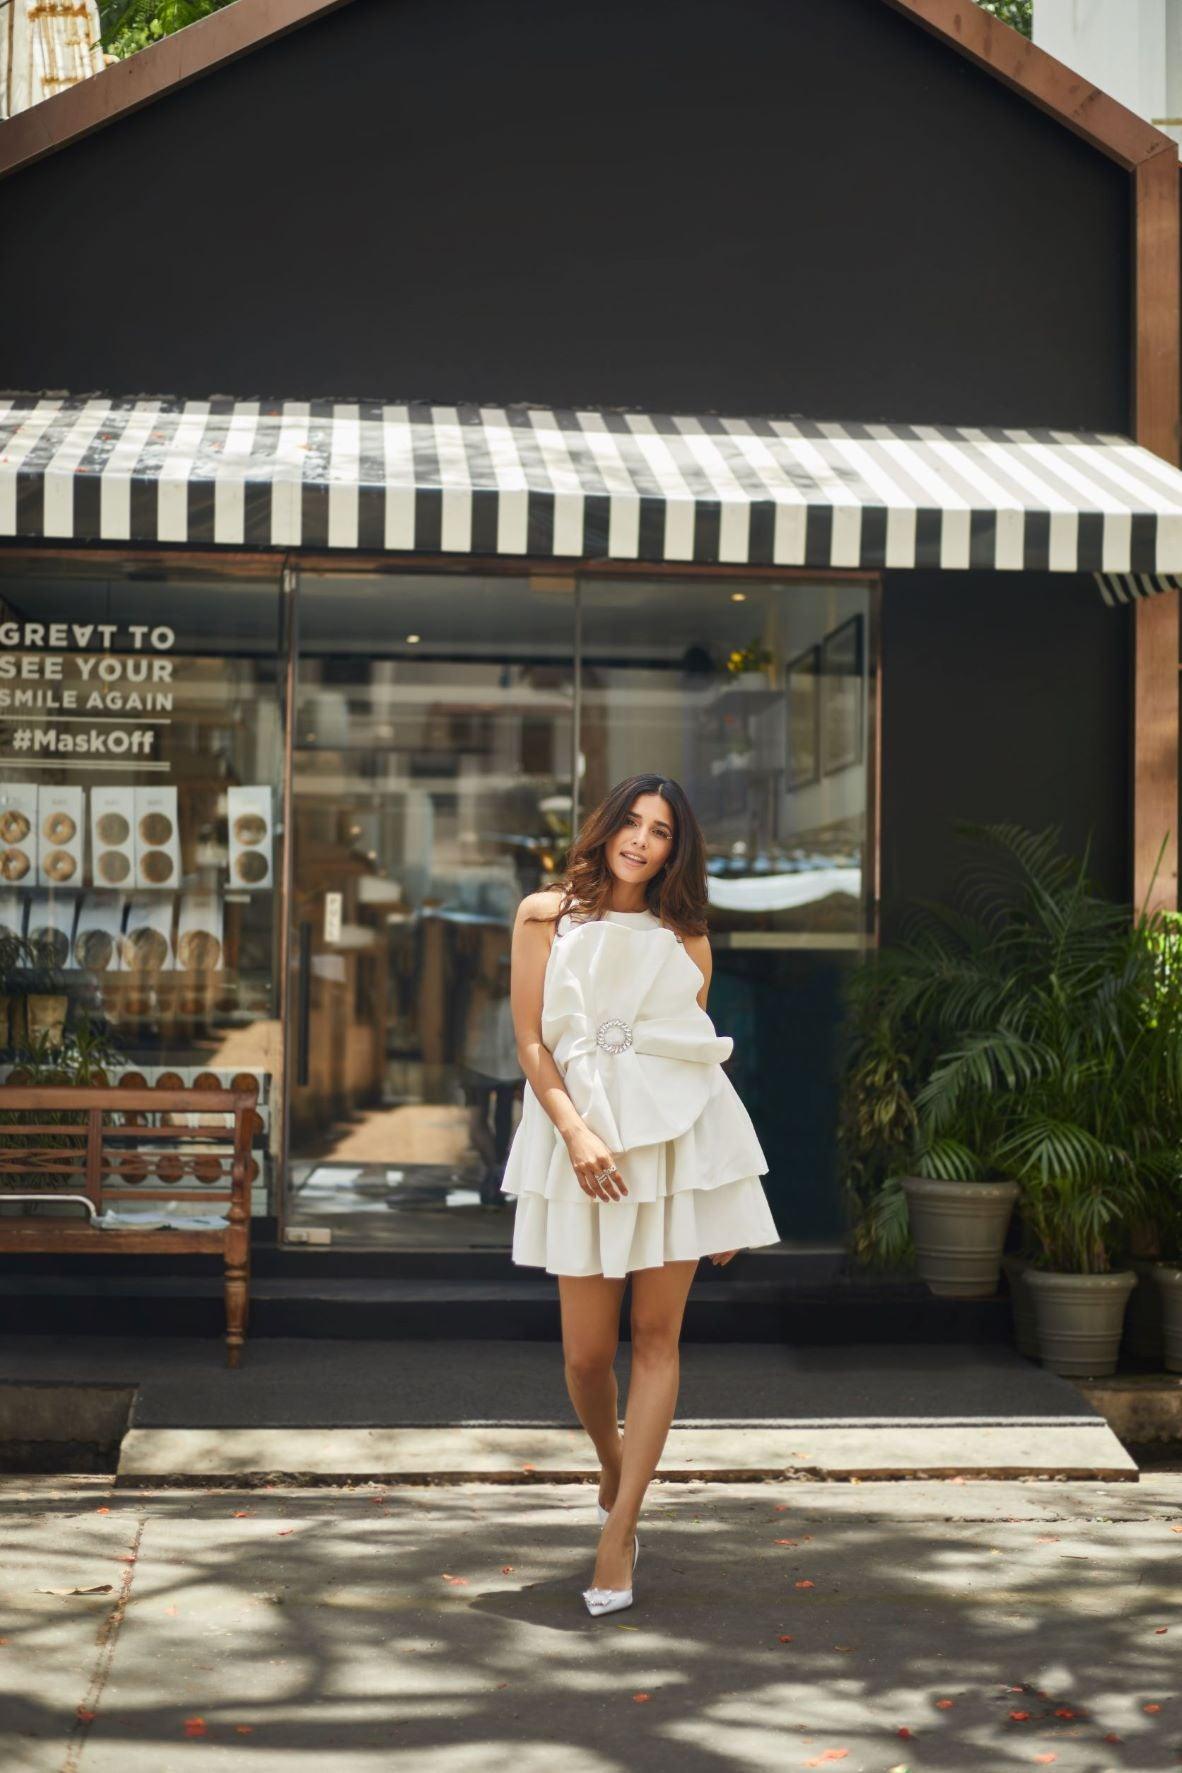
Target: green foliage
{"x": 126, "y": 26}
{"x": 1018, "y": 13}
{"x": 1032, "y": 1030}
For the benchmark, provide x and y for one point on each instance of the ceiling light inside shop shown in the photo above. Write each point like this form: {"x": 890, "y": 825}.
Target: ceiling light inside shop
{"x": 738, "y": 597}
{"x": 413, "y": 639}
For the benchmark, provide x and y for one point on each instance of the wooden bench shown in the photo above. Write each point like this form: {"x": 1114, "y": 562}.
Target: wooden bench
{"x": 104, "y": 1155}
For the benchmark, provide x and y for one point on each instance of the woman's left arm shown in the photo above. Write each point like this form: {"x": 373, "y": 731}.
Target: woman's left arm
{"x": 698, "y": 949}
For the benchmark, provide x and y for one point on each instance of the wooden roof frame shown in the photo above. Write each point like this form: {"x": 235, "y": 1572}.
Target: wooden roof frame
{"x": 1146, "y": 153}
{"x": 1149, "y": 156}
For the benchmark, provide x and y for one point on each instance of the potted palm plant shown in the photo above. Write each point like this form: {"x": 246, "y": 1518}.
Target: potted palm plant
{"x": 920, "y": 1114}
{"x": 1045, "y": 1053}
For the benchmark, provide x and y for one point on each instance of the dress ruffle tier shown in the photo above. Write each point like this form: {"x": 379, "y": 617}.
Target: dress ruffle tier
{"x": 682, "y": 1139}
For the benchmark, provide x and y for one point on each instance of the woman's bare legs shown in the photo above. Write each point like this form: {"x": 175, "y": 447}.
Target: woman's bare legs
{"x": 658, "y": 1307}
{"x": 590, "y": 1336}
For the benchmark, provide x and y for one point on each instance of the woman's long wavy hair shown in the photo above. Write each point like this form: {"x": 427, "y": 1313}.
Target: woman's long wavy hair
{"x": 676, "y": 893}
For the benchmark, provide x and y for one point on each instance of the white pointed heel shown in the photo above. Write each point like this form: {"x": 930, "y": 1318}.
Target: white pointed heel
{"x": 612, "y": 1600}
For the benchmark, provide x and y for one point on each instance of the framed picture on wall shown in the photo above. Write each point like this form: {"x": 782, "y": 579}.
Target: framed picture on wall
{"x": 842, "y": 740}
{"x": 802, "y": 677}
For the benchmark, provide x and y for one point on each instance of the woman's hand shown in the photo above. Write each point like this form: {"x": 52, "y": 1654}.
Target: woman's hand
{"x": 591, "y": 1157}
{"x": 723, "y": 1257}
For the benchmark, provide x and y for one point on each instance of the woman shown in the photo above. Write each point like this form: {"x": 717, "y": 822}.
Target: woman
{"x": 633, "y": 1154}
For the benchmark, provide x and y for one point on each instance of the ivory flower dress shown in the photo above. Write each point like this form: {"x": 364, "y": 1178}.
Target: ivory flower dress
{"x": 642, "y": 1064}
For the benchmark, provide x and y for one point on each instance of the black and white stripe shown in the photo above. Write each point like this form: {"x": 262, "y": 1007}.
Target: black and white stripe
{"x": 1128, "y": 587}
{"x": 553, "y": 484}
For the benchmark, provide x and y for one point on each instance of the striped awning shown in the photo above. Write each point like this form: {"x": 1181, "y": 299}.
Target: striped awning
{"x": 534, "y": 482}
{"x": 1127, "y": 587}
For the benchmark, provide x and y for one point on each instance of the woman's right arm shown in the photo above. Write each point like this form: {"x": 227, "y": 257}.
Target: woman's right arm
{"x": 529, "y": 955}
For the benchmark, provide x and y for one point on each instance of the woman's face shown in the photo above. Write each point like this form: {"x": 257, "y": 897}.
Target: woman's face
{"x": 639, "y": 848}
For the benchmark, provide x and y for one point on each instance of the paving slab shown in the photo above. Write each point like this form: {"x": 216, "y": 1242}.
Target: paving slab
{"x": 1081, "y": 1450}
{"x": 942, "y": 1626}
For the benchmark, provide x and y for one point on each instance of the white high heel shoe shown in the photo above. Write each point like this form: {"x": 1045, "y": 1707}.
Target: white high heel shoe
{"x": 612, "y": 1600}
{"x": 603, "y": 1512}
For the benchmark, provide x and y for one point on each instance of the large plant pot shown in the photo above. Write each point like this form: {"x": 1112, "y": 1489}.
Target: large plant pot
{"x": 1080, "y": 1317}
{"x": 1022, "y": 1305}
{"x": 1168, "y": 1279}
{"x": 958, "y": 1229}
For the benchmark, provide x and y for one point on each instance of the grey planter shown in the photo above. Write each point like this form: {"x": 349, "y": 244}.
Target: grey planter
{"x": 1168, "y": 1276}
{"x": 958, "y": 1229}
{"x": 1080, "y": 1317}
{"x": 1022, "y": 1305}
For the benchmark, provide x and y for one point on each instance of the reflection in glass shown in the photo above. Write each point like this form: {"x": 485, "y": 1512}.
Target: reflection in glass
{"x": 755, "y": 697}
{"x": 433, "y": 746}
{"x": 141, "y": 731}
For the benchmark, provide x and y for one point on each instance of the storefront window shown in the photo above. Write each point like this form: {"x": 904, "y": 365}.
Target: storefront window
{"x": 756, "y": 696}
{"x": 141, "y": 753}
{"x": 448, "y": 729}
{"x": 431, "y": 781}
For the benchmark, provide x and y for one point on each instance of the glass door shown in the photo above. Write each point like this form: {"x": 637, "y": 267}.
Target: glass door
{"x": 433, "y": 734}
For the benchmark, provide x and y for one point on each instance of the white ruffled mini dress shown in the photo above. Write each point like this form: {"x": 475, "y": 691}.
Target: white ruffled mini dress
{"x": 642, "y": 1064}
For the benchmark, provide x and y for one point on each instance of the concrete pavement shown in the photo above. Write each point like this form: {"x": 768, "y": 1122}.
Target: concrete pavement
{"x": 873, "y": 1626}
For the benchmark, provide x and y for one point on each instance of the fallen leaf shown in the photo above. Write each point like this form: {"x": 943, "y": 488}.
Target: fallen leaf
{"x": 244, "y": 1729}
{"x": 1151, "y": 1707}
{"x": 1064, "y": 1711}
{"x": 904, "y": 1732}
{"x": 786, "y": 1637}
{"x": 506, "y": 1569}
{"x": 102, "y": 1511}
{"x": 1112, "y": 1737}
{"x": 456, "y": 1581}
{"x": 829, "y": 1754}
{"x": 641, "y": 1698}
{"x": 1176, "y": 1529}
{"x": 196, "y": 1727}
{"x": 786, "y": 1542}
{"x": 98, "y": 1588}
{"x": 805, "y": 1584}
{"x": 85, "y": 1714}
{"x": 284, "y": 1532}
{"x": 1020, "y": 1717}
{"x": 527, "y": 1468}
{"x": 1160, "y": 1630}
{"x": 843, "y": 1646}
{"x": 240, "y": 1514}
{"x": 945, "y": 1704}
{"x": 1045, "y": 1759}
